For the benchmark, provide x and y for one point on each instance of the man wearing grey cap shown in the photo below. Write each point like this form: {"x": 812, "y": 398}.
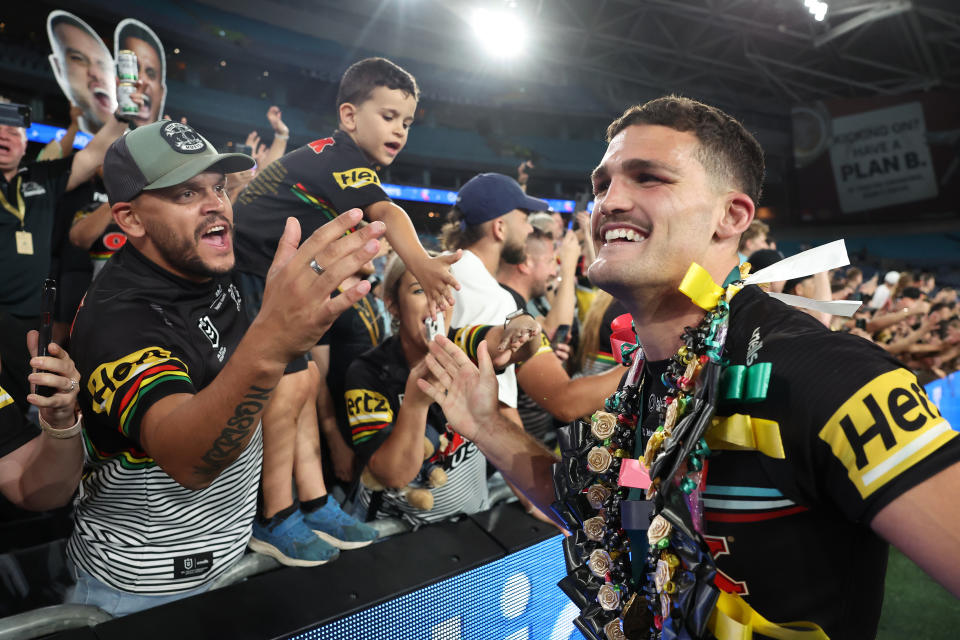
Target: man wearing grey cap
{"x": 174, "y": 378}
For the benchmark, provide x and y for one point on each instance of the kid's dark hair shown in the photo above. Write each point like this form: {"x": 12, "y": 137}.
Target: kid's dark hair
{"x": 359, "y": 81}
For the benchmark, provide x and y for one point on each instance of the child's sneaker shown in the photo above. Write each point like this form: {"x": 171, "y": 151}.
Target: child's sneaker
{"x": 291, "y": 542}
{"x": 339, "y": 529}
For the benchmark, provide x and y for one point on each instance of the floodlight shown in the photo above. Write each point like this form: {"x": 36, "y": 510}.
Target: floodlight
{"x": 501, "y": 33}
{"x": 817, "y": 8}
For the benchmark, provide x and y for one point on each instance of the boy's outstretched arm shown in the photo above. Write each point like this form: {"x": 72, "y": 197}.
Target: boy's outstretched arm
{"x": 433, "y": 274}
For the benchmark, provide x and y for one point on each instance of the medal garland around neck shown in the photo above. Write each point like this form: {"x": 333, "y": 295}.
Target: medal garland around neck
{"x": 676, "y": 595}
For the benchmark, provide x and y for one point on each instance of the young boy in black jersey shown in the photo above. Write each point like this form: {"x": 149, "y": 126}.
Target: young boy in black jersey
{"x": 376, "y": 105}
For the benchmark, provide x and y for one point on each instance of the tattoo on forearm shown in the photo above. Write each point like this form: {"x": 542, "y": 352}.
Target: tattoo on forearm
{"x": 232, "y": 439}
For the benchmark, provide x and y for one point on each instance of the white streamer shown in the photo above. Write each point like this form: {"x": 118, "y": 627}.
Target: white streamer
{"x": 807, "y": 263}
{"x": 845, "y": 308}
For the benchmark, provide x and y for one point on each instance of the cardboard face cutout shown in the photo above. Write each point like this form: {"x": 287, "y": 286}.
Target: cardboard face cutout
{"x": 137, "y": 37}
{"x": 83, "y": 67}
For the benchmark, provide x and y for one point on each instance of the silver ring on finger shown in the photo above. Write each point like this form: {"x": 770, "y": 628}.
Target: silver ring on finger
{"x": 73, "y": 386}
{"x": 316, "y": 267}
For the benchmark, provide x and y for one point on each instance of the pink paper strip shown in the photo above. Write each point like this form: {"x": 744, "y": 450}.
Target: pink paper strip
{"x": 633, "y": 474}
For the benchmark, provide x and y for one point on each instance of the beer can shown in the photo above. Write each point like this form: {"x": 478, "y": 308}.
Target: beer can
{"x": 127, "y": 69}
{"x": 127, "y": 105}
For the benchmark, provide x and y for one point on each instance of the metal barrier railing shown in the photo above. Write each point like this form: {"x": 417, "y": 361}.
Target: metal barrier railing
{"x": 47, "y": 620}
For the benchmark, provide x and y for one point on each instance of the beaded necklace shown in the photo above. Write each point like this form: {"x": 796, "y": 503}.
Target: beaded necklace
{"x": 676, "y": 594}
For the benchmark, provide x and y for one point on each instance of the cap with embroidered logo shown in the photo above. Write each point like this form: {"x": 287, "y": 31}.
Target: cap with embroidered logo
{"x": 159, "y": 155}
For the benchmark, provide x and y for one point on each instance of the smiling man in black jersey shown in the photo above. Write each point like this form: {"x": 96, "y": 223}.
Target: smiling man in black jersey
{"x": 842, "y": 453}
{"x": 175, "y": 378}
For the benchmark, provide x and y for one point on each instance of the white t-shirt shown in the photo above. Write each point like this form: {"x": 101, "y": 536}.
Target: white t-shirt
{"x": 481, "y": 300}
{"x": 880, "y": 297}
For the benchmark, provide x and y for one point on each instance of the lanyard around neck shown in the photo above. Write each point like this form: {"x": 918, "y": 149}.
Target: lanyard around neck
{"x": 20, "y": 211}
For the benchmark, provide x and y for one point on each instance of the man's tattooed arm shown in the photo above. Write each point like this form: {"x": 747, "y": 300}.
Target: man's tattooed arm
{"x": 235, "y": 436}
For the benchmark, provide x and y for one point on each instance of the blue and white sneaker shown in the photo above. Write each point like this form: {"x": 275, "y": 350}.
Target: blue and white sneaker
{"x": 339, "y": 529}
{"x": 291, "y": 542}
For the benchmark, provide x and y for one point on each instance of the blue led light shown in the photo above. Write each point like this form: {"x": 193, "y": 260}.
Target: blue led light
{"x": 44, "y": 133}
{"x": 945, "y": 393}
{"x": 444, "y": 196}
{"x": 514, "y": 598}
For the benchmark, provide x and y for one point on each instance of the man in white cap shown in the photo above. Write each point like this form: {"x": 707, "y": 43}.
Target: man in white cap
{"x": 883, "y": 293}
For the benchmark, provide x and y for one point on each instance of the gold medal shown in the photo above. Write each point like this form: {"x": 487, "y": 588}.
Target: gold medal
{"x": 24, "y": 243}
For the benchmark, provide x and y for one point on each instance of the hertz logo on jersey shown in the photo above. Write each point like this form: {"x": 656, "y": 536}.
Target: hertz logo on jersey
{"x": 356, "y": 178}
{"x": 107, "y": 378}
{"x": 885, "y": 428}
{"x": 367, "y": 413}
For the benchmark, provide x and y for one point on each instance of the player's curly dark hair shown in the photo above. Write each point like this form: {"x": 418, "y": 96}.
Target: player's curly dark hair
{"x": 362, "y": 77}
{"x": 727, "y": 150}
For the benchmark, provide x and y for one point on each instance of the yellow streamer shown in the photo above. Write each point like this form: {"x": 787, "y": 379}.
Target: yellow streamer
{"x": 698, "y": 285}
{"x": 741, "y": 432}
{"x": 734, "y": 619}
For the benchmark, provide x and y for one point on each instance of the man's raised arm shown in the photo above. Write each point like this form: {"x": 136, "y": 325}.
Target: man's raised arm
{"x": 468, "y": 396}
{"x": 194, "y": 437}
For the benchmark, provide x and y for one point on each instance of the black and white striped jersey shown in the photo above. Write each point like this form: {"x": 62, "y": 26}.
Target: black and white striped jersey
{"x": 141, "y": 334}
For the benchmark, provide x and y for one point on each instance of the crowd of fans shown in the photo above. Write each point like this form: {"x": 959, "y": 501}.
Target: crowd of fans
{"x": 359, "y": 420}
{"x": 903, "y": 311}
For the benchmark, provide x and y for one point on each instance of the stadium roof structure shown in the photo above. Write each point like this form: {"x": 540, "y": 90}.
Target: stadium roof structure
{"x": 761, "y": 56}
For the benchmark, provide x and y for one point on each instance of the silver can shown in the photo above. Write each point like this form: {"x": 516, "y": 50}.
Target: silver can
{"x": 127, "y": 105}
{"x": 127, "y": 69}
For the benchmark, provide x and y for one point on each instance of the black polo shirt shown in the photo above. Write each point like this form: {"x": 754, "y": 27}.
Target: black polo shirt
{"x": 41, "y": 184}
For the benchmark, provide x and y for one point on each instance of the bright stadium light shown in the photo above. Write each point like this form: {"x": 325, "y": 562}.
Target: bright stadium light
{"x": 817, "y": 9}
{"x": 501, "y": 33}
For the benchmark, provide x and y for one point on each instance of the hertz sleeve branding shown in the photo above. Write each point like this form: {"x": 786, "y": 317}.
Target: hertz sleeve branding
{"x": 132, "y": 375}
{"x": 883, "y": 429}
{"x": 356, "y": 178}
{"x": 368, "y": 412}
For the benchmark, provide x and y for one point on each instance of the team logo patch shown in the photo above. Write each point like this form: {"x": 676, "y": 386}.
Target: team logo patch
{"x": 317, "y": 146}
{"x": 30, "y": 189}
{"x": 885, "y": 428}
{"x": 182, "y": 138}
{"x": 753, "y": 348}
{"x": 356, "y": 178}
{"x": 114, "y": 240}
{"x": 210, "y": 330}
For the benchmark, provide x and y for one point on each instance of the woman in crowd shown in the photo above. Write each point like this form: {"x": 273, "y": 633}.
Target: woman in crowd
{"x": 40, "y": 467}
{"x": 415, "y": 468}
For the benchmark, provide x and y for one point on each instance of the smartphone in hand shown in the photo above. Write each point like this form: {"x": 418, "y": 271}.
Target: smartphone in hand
{"x": 47, "y": 302}
{"x": 563, "y": 332}
{"x": 435, "y": 327}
